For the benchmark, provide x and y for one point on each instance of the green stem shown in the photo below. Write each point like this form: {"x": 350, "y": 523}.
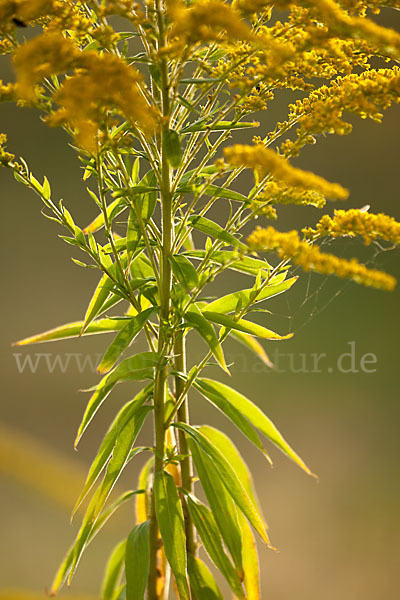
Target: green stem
{"x": 183, "y": 417}
{"x": 165, "y": 301}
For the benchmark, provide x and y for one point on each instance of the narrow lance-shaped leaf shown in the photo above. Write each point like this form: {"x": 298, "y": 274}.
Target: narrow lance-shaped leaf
{"x": 207, "y": 529}
{"x": 122, "y": 452}
{"x": 184, "y": 272}
{"x": 254, "y": 414}
{"x": 108, "y": 443}
{"x": 242, "y": 264}
{"x": 230, "y": 411}
{"x": 70, "y": 330}
{"x": 90, "y": 534}
{"x": 195, "y": 318}
{"x": 142, "y": 501}
{"x": 201, "y": 580}
{"x": 171, "y": 524}
{"x": 113, "y": 572}
{"x": 172, "y": 147}
{"x": 228, "y": 303}
{"x": 137, "y": 561}
{"x": 250, "y": 561}
{"x": 221, "y": 504}
{"x": 98, "y": 299}
{"x": 215, "y": 231}
{"x": 244, "y": 326}
{"x": 115, "y": 207}
{"x": 123, "y": 339}
{"x": 229, "y": 479}
{"x": 137, "y": 367}
{"x": 253, "y": 345}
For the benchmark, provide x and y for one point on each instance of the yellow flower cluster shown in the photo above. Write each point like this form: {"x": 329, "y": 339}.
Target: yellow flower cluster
{"x": 365, "y": 94}
{"x": 288, "y": 246}
{"x": 265, "y": 160}
{"x": 103, "y": 82}
{"x": 205, "y": 20}
{"x": 279, "y": 193}
{"x": 5, "y": 157}
{"x": 357, "y": 223}
{"x": 45, "y": 55}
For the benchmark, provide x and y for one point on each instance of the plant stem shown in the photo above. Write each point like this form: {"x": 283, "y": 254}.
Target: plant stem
{"x": 183, "y": 417}
{"x": 165, "y": 301}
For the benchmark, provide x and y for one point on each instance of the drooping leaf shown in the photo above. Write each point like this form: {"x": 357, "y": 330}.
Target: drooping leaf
{"x": 123, "y": 339}
{"x": 98, "y": 300}
{"x": 221, "y": 504}
{"x": 207, "y": 529}
{"x": 108, "y": 443}
{"x": 172, "y": 529}
{"x": 137, "y": 561}
{"x": 228, "y": 303}
{"x": 250, "y": 561}
{"x": 115, "y": 207}
{"x": 253, "y": 345}
{"x": 231, "y": 411}
{"x": 195, "y": 318}
{"x": 113, "y": 572}
{"x": 136, "y": 367}
{"x": 254, "y": 414}
{"x": 244, "y": 326}
{"x": 229, "y": 479}
{"x": 215, "y": 231}
{"x": 184, "y": 272}
{"x": 201, "y": 580}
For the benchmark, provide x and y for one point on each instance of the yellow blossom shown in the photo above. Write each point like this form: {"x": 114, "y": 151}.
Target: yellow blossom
{"x": 45, "y": 55}
{"x": 5, "y": 157}
{"x": 204, "y": 21}
{"x": 104, "y": 82}
{"x": 357, "y": 223}
{"x": 279, "y": 193}
{"x": 266, "y": 161}
{"x": 288, "y": 246}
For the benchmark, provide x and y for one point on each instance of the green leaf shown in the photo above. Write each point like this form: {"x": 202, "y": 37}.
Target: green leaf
{"x": 108, "y": 443}
{"x": 133, "y": 233}
{"x": 243, "y": 264}
{"x": 207, "y": 529}
{"x": 232, "y": 412}
{"x": 253, "y": 345}
{"x": 113, "y": 572}
{"x": 70, "y": 330}
{"x": 244, "y": 326}
{"x": 88, "y": 535}
{"x": 201, "y": 580}
{"x": 229, "y": 479}
{"x": 115, "y": 208}
{"x": 120, "y": 455}
{"x": 137, "y": 367}
{"x": 215, "y": 231}
{"x": 172, "y": 147}
{"x": 98, "y": 300}
{"x": 250, "y": 561}
{"x": 254, "y": 415}
{"x": 184, "y": 272}
{"x": 220, "y": 126}
{"x": 123, "y": 339}
{"x": 137, "y": 561}
{"x": 228, "y": 303}
{"x": 171, "y": 524}
{"x": 220, "y": 192}
{"x": 221, "y": 504}
{"x": 194, "y": 317}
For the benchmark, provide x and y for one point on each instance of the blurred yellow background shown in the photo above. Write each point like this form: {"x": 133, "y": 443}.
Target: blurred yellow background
{"x": 338, "y": 538}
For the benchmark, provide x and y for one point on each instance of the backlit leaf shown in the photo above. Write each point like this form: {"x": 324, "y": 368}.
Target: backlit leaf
{"x": 244, "y": 326}
{"x": 201, "y": 580}
{"x": 137, "y": 561}
{"x": 70, "y": 330}
{"x": 113, "y": 572}
{"x": 215, "y": 231}
{"x": 195, "y": 318}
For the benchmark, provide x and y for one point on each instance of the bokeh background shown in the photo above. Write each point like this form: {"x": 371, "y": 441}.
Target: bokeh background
{"x": 338, "y": 538}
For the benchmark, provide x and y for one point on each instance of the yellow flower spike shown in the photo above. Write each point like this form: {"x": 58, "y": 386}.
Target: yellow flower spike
{"x": 288, "y": 246}
{"x": 45, "y": 55}
{"x": 263, "y": 159}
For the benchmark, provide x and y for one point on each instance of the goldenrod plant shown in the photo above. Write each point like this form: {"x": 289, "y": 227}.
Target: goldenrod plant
{"x": 152, "y": 95}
